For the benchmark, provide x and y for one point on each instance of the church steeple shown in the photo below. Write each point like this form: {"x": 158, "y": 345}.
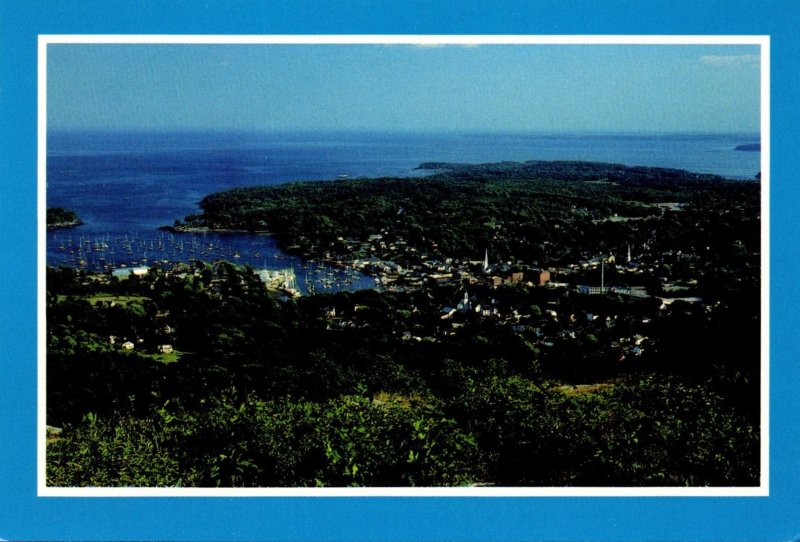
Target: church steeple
{"x": 486, "y": 261}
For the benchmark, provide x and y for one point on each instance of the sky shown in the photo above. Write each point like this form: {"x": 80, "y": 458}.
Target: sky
{"x": 536, "y": 88}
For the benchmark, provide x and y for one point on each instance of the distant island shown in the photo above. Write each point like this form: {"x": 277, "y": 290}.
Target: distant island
{"x": 58, "y": 217}
{"x": 749, "y": 147}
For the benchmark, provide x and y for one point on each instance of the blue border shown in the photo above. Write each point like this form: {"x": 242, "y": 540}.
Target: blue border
{"x": 23, "y": 516}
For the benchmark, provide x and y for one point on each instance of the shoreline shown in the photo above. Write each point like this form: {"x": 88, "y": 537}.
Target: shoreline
{"x": 199, "y": 229}
{"x": 65, "y": 225}
{"x": 306, "y": 256}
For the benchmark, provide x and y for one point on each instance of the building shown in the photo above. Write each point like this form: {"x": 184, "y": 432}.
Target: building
{"x": 539, "y": 276}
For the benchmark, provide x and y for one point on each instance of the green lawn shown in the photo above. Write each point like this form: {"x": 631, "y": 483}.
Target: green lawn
{"x": 167, "y": 358}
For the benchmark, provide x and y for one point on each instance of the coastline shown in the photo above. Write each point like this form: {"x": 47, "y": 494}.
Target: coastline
{"x": 292, "y": 250}
{"x": 202, "y": 229}
{"x": 65, "y": 225}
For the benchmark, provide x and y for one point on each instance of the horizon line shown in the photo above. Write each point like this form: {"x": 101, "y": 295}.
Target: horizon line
{"x": 464, "y": 131}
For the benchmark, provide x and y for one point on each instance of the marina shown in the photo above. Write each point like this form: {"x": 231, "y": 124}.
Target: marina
{"x": 114, "y": 251}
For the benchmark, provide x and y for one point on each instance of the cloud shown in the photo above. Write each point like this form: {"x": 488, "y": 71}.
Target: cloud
{"x": 730, "y": 60}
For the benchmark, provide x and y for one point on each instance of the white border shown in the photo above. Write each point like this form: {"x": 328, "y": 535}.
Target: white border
{"x": 427, "y": 40}
{"x": 409, "y": 39}
{"x": 765, "y": 252}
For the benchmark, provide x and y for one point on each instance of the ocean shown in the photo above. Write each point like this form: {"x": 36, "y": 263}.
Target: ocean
{"x": 124, "y": 185}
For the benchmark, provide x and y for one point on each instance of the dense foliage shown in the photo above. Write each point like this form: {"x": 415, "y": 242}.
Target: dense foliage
{"x": 544, "y": 212}
{"x": 197, "y": 375}
{"x": 508, "y": 431}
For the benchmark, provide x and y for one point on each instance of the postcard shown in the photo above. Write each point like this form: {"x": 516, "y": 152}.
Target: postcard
{"x": 307, "y": 285}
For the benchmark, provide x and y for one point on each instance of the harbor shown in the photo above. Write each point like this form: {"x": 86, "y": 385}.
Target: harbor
{"x": 117, "y": 252}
